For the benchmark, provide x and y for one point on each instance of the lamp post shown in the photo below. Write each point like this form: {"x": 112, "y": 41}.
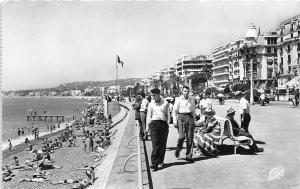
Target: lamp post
{"x": 251, "y": 37}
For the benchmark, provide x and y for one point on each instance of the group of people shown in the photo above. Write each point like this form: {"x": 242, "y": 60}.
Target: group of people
{"x": 196, "y": 123}
{"x": 95, "y": 129}
{"x": 294, "y": 99}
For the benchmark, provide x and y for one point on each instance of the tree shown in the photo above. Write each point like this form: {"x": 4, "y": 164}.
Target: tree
{"x": 240, "y": 87}
{"x": 227, "y": 89}
{"x": 176, "y": 81}
{"x": 198, "y": 78}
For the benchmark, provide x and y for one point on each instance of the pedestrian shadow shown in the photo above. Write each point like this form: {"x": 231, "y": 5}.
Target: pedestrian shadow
{"x": 175, "y": 163}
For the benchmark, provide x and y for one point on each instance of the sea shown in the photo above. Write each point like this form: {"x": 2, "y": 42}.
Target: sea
{"x": 15, "y": 109}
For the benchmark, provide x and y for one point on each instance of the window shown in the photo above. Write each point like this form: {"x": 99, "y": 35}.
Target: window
{"x": 289, "y": 59}
{"x": 268, "y": 49}
{"x": 292, "y": 35}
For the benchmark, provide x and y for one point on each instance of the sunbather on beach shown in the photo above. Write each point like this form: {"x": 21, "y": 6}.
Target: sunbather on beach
{"x": 15, "y": 164}
{"x": 7, "y": 174}
{"x": 45, "y": 164}
{"x": 90, "y": 173}
{"x": 80, "y": 183}
{"x": 37, "y": 155}
{"x": 34, "y": 179}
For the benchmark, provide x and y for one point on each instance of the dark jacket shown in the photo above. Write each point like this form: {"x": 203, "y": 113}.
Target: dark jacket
{"x": 137, "y": 107}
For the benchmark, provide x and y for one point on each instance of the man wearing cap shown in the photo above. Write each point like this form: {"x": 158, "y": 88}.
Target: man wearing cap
{"x": 157, "y": 121}
{"x": 237, "y": 131}
{"x": 184, "y": 118}
{"x": 245, "y": 112}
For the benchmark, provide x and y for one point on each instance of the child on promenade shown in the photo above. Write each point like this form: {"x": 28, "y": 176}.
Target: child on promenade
{"x": 84, "y": 146}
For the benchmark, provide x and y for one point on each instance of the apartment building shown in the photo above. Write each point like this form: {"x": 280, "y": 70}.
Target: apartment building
{"x": 188, "y": 65}
{"x": 221, "y": 75}
{"x": 288, "y": 48}
{"x": 230, "y": 67}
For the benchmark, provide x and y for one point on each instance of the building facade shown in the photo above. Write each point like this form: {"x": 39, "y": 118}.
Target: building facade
{"x": 188, "y": 65}
{"x": 221, "y": 65}
{"x": 230, "y": 67}
{"x": 288, "y": 49}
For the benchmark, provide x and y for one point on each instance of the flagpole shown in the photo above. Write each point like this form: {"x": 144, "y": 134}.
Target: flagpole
{"x": 117, "y": 77}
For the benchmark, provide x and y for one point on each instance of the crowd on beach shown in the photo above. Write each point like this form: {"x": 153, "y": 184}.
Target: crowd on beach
{"x": 194, "y": 118}
{"x": 91, "y": 132}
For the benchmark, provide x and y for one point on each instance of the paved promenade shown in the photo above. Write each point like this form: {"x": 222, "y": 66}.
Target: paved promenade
{"x": 277, "y": 128}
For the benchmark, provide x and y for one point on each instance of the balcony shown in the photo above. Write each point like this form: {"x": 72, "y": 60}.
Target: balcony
{"x": 220, "y": 66}
{"x": 223, "y": 73}
{"x": 221, "y": 81}
{"x": 219, "y": 59}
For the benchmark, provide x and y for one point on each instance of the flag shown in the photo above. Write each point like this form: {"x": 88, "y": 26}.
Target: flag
{"x": 119, "y": 61}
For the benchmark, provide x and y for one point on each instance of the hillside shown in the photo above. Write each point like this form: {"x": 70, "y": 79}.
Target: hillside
{"x": 82, "y": 85}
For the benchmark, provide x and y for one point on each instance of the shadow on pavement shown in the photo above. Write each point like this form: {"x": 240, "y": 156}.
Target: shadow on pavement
{"x": 229, "y": 150}
{"x": 175, "y": 163}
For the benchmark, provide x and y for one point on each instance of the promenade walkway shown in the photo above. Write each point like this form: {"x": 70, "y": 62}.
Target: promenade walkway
{"x": 275, "y": 126}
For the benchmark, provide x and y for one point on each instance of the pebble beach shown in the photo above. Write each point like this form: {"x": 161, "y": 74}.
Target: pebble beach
{"x": 71, "y": 158}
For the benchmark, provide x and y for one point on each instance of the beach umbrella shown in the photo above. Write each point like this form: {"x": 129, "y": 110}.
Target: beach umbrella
{"x": 220, "y": 95}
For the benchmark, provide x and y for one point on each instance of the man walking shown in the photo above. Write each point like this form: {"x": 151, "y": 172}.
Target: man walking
{"x": 184, "y": 118}
{"x": 245, "y": 113}
{"x": 143, "y": 112}
{"x": 157, "y": 121}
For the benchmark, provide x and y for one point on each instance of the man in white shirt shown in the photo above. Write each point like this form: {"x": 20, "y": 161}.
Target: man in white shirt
{"x": 262, "y": 98}
{"x": 184, "y": 118}
{"x": 143, "y": 113}
{"x": 244, "y": 108}
{"x": 158, "y": 116}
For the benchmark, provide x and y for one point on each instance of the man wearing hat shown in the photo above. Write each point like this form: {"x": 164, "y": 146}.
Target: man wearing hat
{"x": 157, "y": 121}
{"x": 184, "y": 118}
{"x": 237, "y": 131}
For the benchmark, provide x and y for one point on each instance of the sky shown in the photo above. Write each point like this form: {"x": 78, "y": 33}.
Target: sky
{"x": 46, "y": 43}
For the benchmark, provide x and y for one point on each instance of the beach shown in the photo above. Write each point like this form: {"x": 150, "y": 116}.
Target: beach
{"x": 71, "y": 158}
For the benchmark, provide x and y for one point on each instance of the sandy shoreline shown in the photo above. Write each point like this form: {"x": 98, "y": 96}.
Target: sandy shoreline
{"x": 71, "y": 158}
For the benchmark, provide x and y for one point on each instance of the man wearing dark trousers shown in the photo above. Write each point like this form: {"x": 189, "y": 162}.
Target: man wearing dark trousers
{"x": 244, "y": 107}
{"x": 184, "y": 118}
{"x": 157, "y": 121}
